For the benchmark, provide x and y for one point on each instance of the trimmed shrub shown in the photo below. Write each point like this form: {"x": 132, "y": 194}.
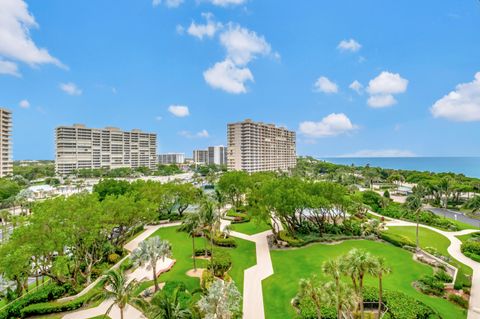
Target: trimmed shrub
{"x": 471, "y": 249}
{"x": 220, "y": 263}
{"x": 397, "y": 240}
{"x": 207, "y": 279}
{"x": 442, "y": 276}
{"x": 201, "y": 252}
{"x": 430, "y": 285}
{"x": 458, "y": 300}
{"x": 283, "y": 235}
{"x": 224, "y": 242}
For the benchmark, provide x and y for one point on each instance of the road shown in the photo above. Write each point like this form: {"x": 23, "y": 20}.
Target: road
{"x": 455, "y": 215}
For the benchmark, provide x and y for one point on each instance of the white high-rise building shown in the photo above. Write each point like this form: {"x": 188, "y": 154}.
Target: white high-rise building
{"x": 217, "y": 155}
{"x": 6, "y": 161}
{"x": 171, "y": 158}
{"x": 78, "y": 147}
{"x": 200, "y": 156}
{"x": 256, "y": 147}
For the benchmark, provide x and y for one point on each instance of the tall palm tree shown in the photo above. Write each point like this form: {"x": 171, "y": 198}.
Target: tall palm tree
{"x": 333, "y": 268}
{"x": 414, "y": 204}
{"x": 168, "y": 306}
{"x": 5, "y": 216}
{"x": 357, "y": 263}
{"x": 191, "y": 225}
{"x": 209, "y": 221}
{"x": 380, "y": 269}
{"x": 120, "y": 290}
{"x": 149, "y": 252}
{"x": 342, "y": 296}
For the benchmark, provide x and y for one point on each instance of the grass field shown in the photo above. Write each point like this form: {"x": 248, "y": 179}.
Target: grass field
{"x": 292, "y": 265}
{"x": 243, "y": 257}
{"x": 250, "y": 228}
{"x": 429, "y": 238}
{"x": 464, "y": 238}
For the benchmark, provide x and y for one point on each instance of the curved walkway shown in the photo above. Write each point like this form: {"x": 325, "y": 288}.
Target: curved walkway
{"x": 130, "y": 312}
{"x": 455, "y": 252}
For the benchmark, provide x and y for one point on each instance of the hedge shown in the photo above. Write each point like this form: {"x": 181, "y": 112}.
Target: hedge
{"x": 458, "y": 300}
{"x": 48, "y": 292}
{"x": 55, "y": 306}
{"x": 397, "y": 240}
{"x": 225, "y": 242}
{"x": 471, "y": 249}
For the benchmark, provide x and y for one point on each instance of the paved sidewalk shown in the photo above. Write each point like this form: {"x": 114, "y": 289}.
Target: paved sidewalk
{"x": 455, "y": 252}
{"x": 139, "y": 274}
{"x": 253, "y": 307}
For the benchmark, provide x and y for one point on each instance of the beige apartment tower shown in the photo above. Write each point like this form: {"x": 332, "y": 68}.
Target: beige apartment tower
{"x": 6, "y": 161}
{"x": 256, "y": 147}
{"x": 78, "y": 147}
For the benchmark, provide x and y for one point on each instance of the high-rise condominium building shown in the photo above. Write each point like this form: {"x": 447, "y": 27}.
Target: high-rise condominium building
{"x": 78, "y": 147}
{"x": 217, "y": 155}
{"x": 200, "y": 156}
{"x": 171, "y": 158}
{"x": 6, "y": 161}
{"x": 256, "y": 147}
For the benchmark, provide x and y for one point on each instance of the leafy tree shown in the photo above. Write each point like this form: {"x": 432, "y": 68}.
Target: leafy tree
{"x": 8, "y": 189}
{"x": 234, "y": 185}
{"x": 151, "y": 251}
{"x": 108, "y": 187}
{"x": 222, "y": 301}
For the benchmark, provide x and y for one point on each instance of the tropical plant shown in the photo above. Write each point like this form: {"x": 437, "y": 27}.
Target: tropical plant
{"x": 209, "y": 221}
{"x": 312, "y": 290}
{"x": 168, "y": 306}
{"x": 414, "y": 204}
{"x": 191, "y": 225}
{"x": 120, "y": 290}
{"x": 380, "y": 269}
{"x": 149, "y": 252}
{"x": 222, "y": 301}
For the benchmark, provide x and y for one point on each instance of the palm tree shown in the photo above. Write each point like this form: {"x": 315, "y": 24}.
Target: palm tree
{"x": 120, "y": 290}
{"x": 165, "y": 306}
{"x": 209, "y": 221}
{"x": 311, "y": 289}
{"x": 5, "y": 216}
{"x": 380, "y": 269}
{"x": 191, "y": 225}
{"x": 149, "y": 252}
{"x": 222, "y": 300}
{"x": 342, "y": 296}
{"x": 414, "y": 204}
{"x": 473, "y": 204}
{"x": 357, "y": 263}
{"x": 333, "y": 268}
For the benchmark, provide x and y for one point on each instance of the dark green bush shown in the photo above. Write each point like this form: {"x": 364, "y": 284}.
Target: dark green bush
{"x": 225, "y": 242}
{"x": 442, "y": 276}
{"x": 471, "y": 249}
{"x": 430, "y": 285}
{"x": 220, "y": 263}
{"x": 283, "y": 235}
{"x": 397, "y": 240}
{"x": 46, "y": 293}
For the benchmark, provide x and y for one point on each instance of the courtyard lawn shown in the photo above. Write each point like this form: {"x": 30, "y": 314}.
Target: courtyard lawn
{"x": 293, "y": 264}
{"x": 429, "y": 238}
{"x": 250, "y": 228}
{"x": 243, "y": 257}
{"x": 464, "y": 238}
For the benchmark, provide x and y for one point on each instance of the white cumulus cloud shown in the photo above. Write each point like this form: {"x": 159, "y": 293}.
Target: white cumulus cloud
{"x": 243, "y": 45}
{"x": 70, "y": 88}
{"x": 462, "y": 104}
{"x": 204, "y": 30}
{"x": 24, "y": 104}
{"x": 15, "y": 40}
{"x": 383, "y": 87}
{"x": 179, "y": 110}
{"x": 323, "y": 84}
{"x": 349, "y": 45}
{"x": 10, "y": 68}
{"x": 229, "y": 77}
{"x": 331, "y": 125}
{"x": 356, "y": 86}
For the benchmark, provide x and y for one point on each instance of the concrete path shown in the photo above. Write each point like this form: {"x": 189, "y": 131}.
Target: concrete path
{"x": 139, "y": 274}
{"x": 252, "y": 282}
{"x": 455, "y": 252}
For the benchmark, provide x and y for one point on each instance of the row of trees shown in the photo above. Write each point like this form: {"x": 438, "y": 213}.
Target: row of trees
{"x": 346, "y": 298}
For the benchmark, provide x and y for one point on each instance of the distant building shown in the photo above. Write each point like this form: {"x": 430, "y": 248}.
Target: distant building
{"x": 217, "y": 155}
{"x": 171, "y": 158}
{"x": 256, "y": 147}
{"x": 6, "y": 159}
{"x": 200, "y": 156}
{"x": 78, "y": 147}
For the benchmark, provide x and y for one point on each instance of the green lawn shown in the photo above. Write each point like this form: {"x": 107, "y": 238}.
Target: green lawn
{"x": 464, "y": 238}
{"x": 292, "y": 265}
{"x": 250, "y": 228}
{"x": 429, "y": 238}
{"x": 243, "y": 257}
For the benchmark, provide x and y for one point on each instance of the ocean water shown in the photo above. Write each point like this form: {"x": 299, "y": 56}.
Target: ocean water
{"x": 469, "y": 166}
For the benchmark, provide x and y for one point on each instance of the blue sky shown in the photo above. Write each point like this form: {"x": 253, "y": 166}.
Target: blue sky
{"x": 184, "y": 69}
